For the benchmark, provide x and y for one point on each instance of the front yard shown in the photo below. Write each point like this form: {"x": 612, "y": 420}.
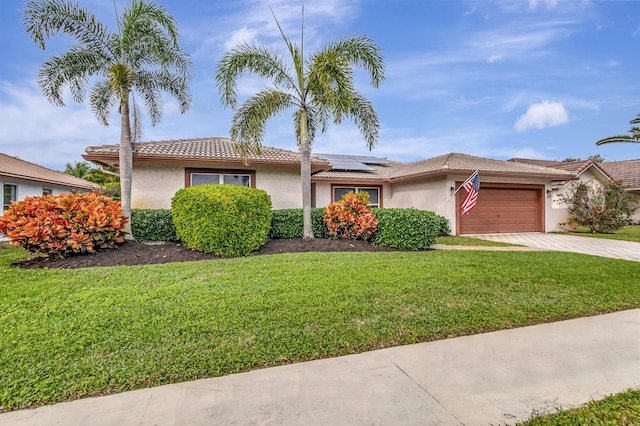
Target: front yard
{"x": 628, "y": 233}
{"x": 73, "y": 333}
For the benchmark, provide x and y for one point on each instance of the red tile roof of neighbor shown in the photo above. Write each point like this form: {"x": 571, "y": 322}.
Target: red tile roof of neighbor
{"x": 627, "y": 171}
{"x": 14, "y": 167}
{"x": 201, "y": 150}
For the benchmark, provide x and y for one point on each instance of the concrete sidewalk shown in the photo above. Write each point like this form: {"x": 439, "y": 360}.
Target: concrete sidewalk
{"x": 493, "y": 378}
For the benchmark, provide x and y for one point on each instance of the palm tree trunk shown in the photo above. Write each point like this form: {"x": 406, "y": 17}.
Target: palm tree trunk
{"x": 126, "y": 163}
{"x": 305, "y": 175}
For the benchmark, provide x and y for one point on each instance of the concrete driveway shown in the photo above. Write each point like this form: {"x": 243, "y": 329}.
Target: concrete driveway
{"x": 627, "y": 250}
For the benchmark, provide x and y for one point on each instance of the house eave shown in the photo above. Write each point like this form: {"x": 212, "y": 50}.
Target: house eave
{"x": 48, "y": 181}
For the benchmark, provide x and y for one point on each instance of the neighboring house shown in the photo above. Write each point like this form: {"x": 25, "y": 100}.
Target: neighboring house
{"x": 513, "y": 197}
{"x": 19, "y": 178}
{"x": 588, "y": 171}
{"x": 628, "y": 172}
{"x": 585, "y": 171}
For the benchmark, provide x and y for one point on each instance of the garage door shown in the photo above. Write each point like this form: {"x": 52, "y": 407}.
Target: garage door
{"x": 504, "y": 209}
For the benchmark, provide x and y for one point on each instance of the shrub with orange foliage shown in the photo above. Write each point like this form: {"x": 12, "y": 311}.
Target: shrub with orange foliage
{"x": 65, "y": 223}
{"x": 351, "y": 218}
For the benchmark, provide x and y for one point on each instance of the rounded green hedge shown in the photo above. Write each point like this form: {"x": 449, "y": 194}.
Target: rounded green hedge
{"x": 152, "y": 225}
{"x": 227, "y": 220}
{"x": 410, "y": 229}
{"x": 288, "y": 223}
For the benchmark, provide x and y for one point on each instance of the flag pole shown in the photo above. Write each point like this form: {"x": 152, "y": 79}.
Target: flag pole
{"x": 463, "y": 184}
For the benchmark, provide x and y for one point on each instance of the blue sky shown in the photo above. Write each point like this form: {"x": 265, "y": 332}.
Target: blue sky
{"x": 494, "y": 78}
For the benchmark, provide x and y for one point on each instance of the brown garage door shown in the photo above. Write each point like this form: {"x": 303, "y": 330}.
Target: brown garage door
{"x": 504, "y": 209}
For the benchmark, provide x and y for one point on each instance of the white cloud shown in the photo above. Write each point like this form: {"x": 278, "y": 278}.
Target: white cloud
{"x": 495, "y": 58}
{"x": 37, "y": 131}
{"x": 544, "y": 114}
{"x": 533, "y": 4}
{"x": 243, "y": 35}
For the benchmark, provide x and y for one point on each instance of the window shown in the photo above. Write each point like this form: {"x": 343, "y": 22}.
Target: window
{"x": 46, "y": 191}
{"x": 374, "y": 193}
{"x": 229, "y": 177}
{"x": 10, "y": 195}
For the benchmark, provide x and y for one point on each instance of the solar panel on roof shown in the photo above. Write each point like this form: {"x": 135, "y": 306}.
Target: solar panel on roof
{"x": 367, "y": 159}
{"x": 345, "y": 162}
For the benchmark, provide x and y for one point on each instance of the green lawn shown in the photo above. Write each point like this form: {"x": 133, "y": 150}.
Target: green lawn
{"x": 619, "y": 409}
{"x": 73, "y": 333}
{"x": 629, "y": 233}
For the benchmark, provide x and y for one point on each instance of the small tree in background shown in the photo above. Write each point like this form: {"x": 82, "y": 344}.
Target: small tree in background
{"x": 604, "y": 209}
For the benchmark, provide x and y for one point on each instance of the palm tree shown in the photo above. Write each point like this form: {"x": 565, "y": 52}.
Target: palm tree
{"x": 634, "y": 137}
{"x": 79, "y": 169}
{"x": 316, "y": 89}
{"x": 141, "y": 57}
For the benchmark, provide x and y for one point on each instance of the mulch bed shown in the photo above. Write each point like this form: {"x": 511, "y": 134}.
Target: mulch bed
{"x": 135, "y": 253}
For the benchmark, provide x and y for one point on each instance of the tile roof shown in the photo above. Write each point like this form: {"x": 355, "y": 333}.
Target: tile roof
{"x": 200, "y": 149}
{"x": 453, "y": 163}
{"x": 462, "y": 163}
{"x": 627, "y": 171}
{"x": 576, "y": 167}
{"x": 21, "y": 169}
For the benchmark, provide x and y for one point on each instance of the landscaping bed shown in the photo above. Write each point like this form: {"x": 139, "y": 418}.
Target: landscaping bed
{"x": 135, "y": 253}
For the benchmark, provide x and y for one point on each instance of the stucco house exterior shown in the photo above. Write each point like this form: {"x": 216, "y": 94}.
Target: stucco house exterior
{"x": 19, "y": 178}
{"x": 627, "y": 171}
{"x": 588, "y": 171}
{"x": 514, "y": 197}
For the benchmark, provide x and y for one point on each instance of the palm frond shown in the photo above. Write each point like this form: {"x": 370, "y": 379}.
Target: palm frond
{"x": 102, "y": 100}
{"x": 250, "y": 121}
{"x": 47, "y": 18}
{"x": 164, "y": 80}
{"x": 619, "y": 139}
{"x": 143, "y": 17}
{"x": 358, "y": 51}
{"x": 366, "y": 119}
{"x": 72, "y": 70}
{"x": 331, "y": 82}
{"x": 245, "y": 59}
{"x": 151, "y": 97}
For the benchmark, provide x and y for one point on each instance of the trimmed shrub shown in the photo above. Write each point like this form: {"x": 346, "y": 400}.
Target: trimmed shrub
{"x": 153, "y": 225}
{"x": 350, "y": 218}
{"x": 288, "y": 223}
{"x": 443, "y": 225}
{"x": 410, "y": 229}
{"x": 227, "y": 220}
{"x": 65, "y": 223}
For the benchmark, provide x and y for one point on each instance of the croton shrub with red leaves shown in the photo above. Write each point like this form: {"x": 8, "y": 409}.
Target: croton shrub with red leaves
{"x": 351, "y": 218}
{"x": 65, "y": 223}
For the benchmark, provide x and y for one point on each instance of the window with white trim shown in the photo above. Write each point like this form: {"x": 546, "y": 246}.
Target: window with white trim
{"x": 47, "y": 191}
{"x": 198, "y": 178}
{"x": 10, "y": 195}
{"x": 374, "y": 193}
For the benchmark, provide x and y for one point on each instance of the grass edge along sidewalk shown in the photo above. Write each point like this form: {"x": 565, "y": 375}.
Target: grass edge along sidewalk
{"x": 617, "y": 409}
{"x": 74, "y": 333}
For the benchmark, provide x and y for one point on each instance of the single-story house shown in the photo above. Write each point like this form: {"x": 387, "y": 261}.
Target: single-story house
{"x": 19, "y": 178}
{"x": 588, "y": 171}
{"x": 513, "y": 197}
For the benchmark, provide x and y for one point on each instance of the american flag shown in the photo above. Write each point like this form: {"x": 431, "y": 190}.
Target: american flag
{"x": 472, "y": 186}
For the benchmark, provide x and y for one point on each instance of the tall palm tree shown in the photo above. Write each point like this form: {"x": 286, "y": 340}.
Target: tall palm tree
{"x": 142, "y": 56}
{"x": 316, "y": 88}
{"x": 634, "y": 137}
